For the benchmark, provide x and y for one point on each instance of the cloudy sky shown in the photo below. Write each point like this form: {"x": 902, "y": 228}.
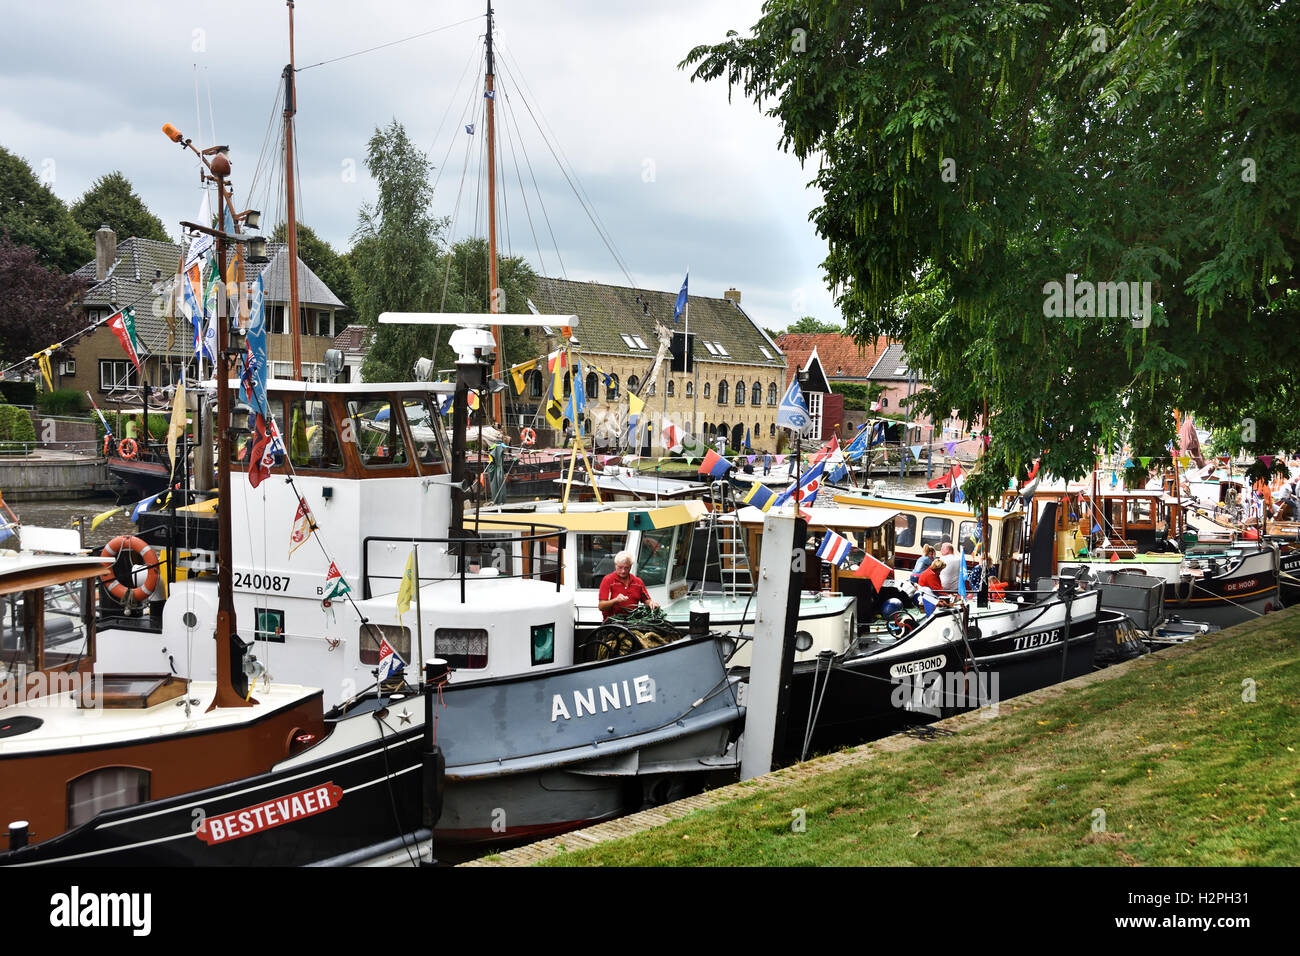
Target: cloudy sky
{"x": 676, "y": 174}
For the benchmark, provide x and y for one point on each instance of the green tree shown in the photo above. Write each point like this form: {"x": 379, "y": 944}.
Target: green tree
{"x": 41, "y": 304}
{"x": 31, "y": 215}
{"x": 111, "y": 201}
{"x": 331, "y": 267}
{"x": 972, "y": 154}
{"x": 395, "y": 253}
{"x": 809, "y": 324}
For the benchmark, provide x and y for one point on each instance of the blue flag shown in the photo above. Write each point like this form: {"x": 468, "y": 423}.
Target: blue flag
{"x": 961, "y": 576}
{"x": 252, "y": 384}
{"x": 680, "y": 307}
{"x": 810, "y": 483}
{"x": 577, "y": 402}
{"x": 792, "y": 413}
{"x": 858, "y": 446}
{"x": 760, "y": 496}
{"x": 143, "y": 505}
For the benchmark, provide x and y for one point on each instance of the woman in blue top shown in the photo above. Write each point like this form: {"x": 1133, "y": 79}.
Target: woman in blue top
{"x": 923, "y": 562}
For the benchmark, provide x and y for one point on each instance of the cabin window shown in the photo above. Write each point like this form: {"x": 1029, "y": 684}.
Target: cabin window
{"x": 270, "y": 625}
{"x": 966, "y": 536}
{"x": 66, "y": 636}
{"x": 105, "y": 789}
{"x": 463, "y": 648}
{"x": 398, "y": 638}
{"x": 376, "y": 432}
{"x": 18, "y": 634}
{"x": 312, "y": 440}
{"x": 935, "y": 531}
{"x": 543, "y": 644}
{"x": 655, "y": 556}
{"x": 596, "y": 557}
{"x": 425, "y": 422}
{"x": 904, "y": 531}
{"x": 1139, "y": 512}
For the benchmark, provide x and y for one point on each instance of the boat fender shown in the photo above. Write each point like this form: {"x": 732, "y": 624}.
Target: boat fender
{"x": 115, "y": 587}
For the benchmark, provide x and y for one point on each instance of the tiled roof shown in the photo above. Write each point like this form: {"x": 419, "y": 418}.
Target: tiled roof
{"x": 841, "y": 356}
{"x": 607, "y": 312}
{"x": 887, "y": 366}
{"x": 352, "y": 339}
{"x": 141, "y": 267}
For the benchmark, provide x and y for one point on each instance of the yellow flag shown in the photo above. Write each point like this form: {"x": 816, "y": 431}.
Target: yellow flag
{"x": 555, "y": 404}
{"x": 45, "y": 370}
{"x": 177, "y": 427}
{"x": 634, "y": 404}
{"x": 407, "y": 590}
{"x": 103, "y": 516}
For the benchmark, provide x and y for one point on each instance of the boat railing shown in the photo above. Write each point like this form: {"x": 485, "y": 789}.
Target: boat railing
{"x": 526, "y": 551}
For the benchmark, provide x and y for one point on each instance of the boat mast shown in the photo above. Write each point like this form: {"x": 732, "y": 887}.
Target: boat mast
{"x": 291, "y": 222}
{"x": 493, "y": 278}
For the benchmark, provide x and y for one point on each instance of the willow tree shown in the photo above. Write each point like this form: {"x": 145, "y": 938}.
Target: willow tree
{"x": 978, "y": 161}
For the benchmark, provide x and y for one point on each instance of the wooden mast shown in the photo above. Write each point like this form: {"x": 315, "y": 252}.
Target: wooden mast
{"x": 493, "y": 279}
{"x": 227, "y": 627}
{"x": 291, "y": 222}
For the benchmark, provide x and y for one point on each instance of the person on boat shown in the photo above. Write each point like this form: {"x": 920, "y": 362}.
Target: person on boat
{"x": 923, "y": 562}
{"x": 767, "y": 463}
{"x": 951, "y": 566}
{"x": 622, "y": 591}
{"x": 930, "y": 577}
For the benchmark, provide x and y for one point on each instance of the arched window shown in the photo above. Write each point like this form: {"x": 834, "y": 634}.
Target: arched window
{"x": 771, "y": 394}
{"x": 593, "y": 386}
{"x": 708, "y": 430}
{"x": 534, "y": 384}
{"x": 568, "y": 384}
{"x": 756, "y": 396}
{"x": 671, "y": 390}
{"x": 740, "y": 392}
{"x": 722, "y": 392}
{"x": 632, "y": 383}
{"x": 653, "y": 386}
{"x": 706, "y": 389}
{"x": 611, "y": 393}
{"x": 771, "y": 432}
{"x": 884, "y": 403}
{"x": 690, "y": 389}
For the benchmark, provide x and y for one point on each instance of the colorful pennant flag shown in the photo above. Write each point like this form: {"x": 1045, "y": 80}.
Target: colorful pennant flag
{"x": 390, "y": 662}
{"x": 335, "y": 586}
{"x": 679, "y": 308}
{"x": 122, "y": 325}
{"x": 834, "y": 548}
{"x": 792, "y": 413}
{"x": 103, "y": 516}
{"x": 759, "y": 496}
{"x": 406, "y": 592}
{"x": 303, "y": 526}
{"x": 877, "y": 571}
{"x": 809, "y": 484}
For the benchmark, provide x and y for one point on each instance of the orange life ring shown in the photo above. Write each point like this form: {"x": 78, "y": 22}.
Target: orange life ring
{"x": 128, "y": 449}
{"x": 528, "y": 436}
{"x": 107, "y": 439}
{"x": 116, "y": 588}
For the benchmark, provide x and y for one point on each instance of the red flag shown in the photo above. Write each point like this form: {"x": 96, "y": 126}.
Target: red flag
{"x": 261, "y": 457}
{"x": 877, "y": 571}
{"x": 1114, "y": 556}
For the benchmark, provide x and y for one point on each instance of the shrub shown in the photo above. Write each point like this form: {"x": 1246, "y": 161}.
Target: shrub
{"x": 18, "y": 393}
{"x": 15, "y": 428}
{"x": 63, "y": 401}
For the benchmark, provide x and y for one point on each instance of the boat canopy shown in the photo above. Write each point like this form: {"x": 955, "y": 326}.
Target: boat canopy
{"x": 604, "y": 517}
{"x": 848, "y": 519}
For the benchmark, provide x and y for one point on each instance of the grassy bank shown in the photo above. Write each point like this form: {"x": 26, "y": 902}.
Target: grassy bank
{"x": 1184, "y": 770}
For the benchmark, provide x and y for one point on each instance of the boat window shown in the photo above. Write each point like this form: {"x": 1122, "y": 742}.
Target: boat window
{"x": 311, "y": 438}
{"x": 270, "y": 625}
{"x": 18, "y": 635}
{"x": 1139, "y": 511}
{"x": 967, "y": 536}
{"x": 935, "y": 531}
{"x": 398, "y": 638}
{"x": 681, "y": 560}
{"x": 463, "y": 648}
{"x": 66, "y": 640}
{"x": 904, "y": 530}
{"x": 376, "y": 432}
{"x": 105, "y": 789}
{"x": 543, "y": 644}
{"x": 655, "y": 556}
{"x": 596, "y": 557}
{"x": 425, "y": 420}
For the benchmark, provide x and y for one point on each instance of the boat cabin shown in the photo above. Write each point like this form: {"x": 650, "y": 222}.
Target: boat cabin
{"x": 1134, "y": 520}
{"x": 919, "y": 522}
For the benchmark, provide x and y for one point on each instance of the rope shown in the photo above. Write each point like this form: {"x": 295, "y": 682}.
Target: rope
{"x": 384, "y": 46}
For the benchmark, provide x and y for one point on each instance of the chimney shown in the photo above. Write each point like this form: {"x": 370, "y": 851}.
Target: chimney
{"x": 733, "y": 295}
{"x": 105, "y": 251}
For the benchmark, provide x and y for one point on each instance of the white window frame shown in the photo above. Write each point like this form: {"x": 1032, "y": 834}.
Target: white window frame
{"x": 121, "y": 372}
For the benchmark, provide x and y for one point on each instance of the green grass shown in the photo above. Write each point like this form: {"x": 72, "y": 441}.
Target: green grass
{"x": 1186, "y": 772}
{"x": 669, "y": 467}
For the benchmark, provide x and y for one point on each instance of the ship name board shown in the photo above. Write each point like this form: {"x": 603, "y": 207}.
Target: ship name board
{"x": 1041, "y": 639}
{"x": 918, "y": 667}
{"x": 1240, "y": 585}
{"x": 603, "y": 698}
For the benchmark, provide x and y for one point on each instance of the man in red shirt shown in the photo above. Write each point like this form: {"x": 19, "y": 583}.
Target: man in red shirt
{"x": 621, "y": 591}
